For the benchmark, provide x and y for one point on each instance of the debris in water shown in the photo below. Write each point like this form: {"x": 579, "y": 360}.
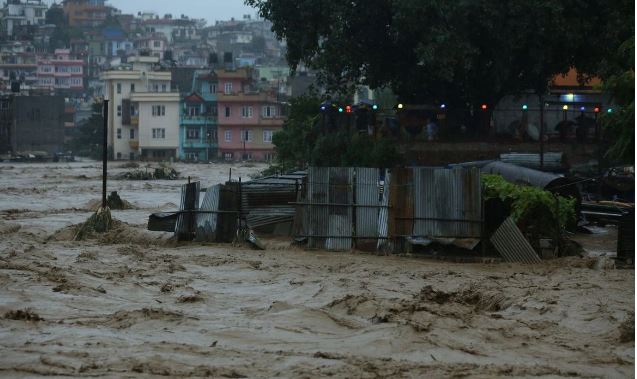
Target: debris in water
{"x": 24, "y": 315}
{"x": 100, "y": 222}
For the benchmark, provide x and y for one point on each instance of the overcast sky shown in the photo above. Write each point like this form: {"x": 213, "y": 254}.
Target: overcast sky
{"x": 211, "y": 10}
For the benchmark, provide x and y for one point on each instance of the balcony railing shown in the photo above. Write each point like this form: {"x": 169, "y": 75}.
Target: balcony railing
{"x": 133, "y": 144}
{"x": 197, "y": 120}
{"x": 134, "y": 120}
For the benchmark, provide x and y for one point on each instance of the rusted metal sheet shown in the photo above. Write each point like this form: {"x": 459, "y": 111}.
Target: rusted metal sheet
{"x": 401, "y": 208}
{"x": 367, "y": 201}
{"x": 511, "y": 244}
{"x": 207, "y": 222}
{"x": 186, "y": 221}
{"x": 447, "y": 203}
{"x": 229, "y": 203}
{"x": 341, "y": 199}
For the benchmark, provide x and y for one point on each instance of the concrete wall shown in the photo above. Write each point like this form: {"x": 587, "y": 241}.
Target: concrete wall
{"x": 39, "y": 124}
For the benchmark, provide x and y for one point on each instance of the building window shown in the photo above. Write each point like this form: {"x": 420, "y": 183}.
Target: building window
{"x": 192, "y": 134}
{"x": 119, "y": 133}
{"x": 267, "y": 136}
{"x": 227, "y": 156}
{"x": 132, "y": 87}
{"x": 119, "y": 88}
{"x": 228, "y": 135}
{"x": 131, "y": 156}
{"x": 227, "y": 88}
{"x": 119, "y": 155}
{"x": 268, "y": 157}
{"x": 119, "y": 111}
{"x": 227, "y": 111}
{"x": 247, "y": 156}
{"x": 157, "y": 44}
{"x": 246, "y": 135}
{"x": 159, "y": 110}
{"x": 163, "y": 88}
{"x": 246, "y": 112}
{"x": 269, "y": 111}
{"x": 213, "y": 88}
{"x": 192, "y": 111}
{"x": 159, "y": 133}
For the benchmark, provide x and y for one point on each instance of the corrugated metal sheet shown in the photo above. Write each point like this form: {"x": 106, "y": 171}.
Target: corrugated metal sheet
{"x": 511, "y": 244}
{"x": 318, "y": 215}
{"x": 401, "y": 207}
{"x": 521, "y": 175}
{"x": 447, "y": 203}
{"x": 552, "y": 161}
{"x": 207, "y": 222}
{"x": 341, "y": 198}
{"x": 186, "y": 222}
{"x": 367, "y": 201}
{"x": 384, "y": 245}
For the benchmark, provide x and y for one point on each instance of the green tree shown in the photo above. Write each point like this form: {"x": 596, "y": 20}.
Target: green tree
{"x": 460, "y": 52}
{"x": 88, "y": 137}
{"x": 620, "y": 124}
{"x": 304, "y": 141}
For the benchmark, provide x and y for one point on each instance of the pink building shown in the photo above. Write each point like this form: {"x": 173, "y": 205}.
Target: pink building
{"x": 247, "y": 118}
{"x": 61, "y": 72}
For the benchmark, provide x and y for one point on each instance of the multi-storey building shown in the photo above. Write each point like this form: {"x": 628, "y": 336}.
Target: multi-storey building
{"x": 61, "y": 72}
{"x": 179, "y": 29}
{"x": 22, "y": 13}
{"x": 86, "y": 13}
{"x": 198, "y": 121}
{"x": 143, "y": 114}
{"x": 248, "y": 118}
{"x": 18, "y": 66}
{"x": 154, "y": 43}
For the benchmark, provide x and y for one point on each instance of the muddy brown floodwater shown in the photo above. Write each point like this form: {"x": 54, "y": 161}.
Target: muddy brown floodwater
{"x": 133, "y": 304}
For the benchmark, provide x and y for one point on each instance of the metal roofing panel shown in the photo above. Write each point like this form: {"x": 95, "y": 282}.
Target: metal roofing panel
{"x": 207, "y": 222}
{"x": 367, "y": 201}
{"x": 511, "y": 244}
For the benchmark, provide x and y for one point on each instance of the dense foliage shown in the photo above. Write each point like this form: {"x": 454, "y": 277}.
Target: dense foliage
{"x": 531, "y": 205}
{"x": 88, "y": 137}
{"x": 620, "y": 124}
{"x": 460, "y": 52}
{"x": 63, "y": 32}
{"x": 302, "y": 142}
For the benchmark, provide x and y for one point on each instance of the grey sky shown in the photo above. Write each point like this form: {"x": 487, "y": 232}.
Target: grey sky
{"x": 211, "y": 10}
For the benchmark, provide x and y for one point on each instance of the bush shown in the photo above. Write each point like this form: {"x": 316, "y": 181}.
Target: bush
{"x": 530, "y": 205}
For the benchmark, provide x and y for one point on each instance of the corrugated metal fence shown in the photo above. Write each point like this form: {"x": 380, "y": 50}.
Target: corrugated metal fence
{"x": 357, "y": 207}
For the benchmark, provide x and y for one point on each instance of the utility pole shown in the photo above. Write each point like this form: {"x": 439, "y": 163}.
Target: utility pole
{"x": 104, "y": 153}
{"x": 541, "y": 132}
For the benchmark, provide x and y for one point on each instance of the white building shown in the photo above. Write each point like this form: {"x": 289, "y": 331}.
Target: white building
{"x": 18, "y": 13}
{"x": 143, "y": 119}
